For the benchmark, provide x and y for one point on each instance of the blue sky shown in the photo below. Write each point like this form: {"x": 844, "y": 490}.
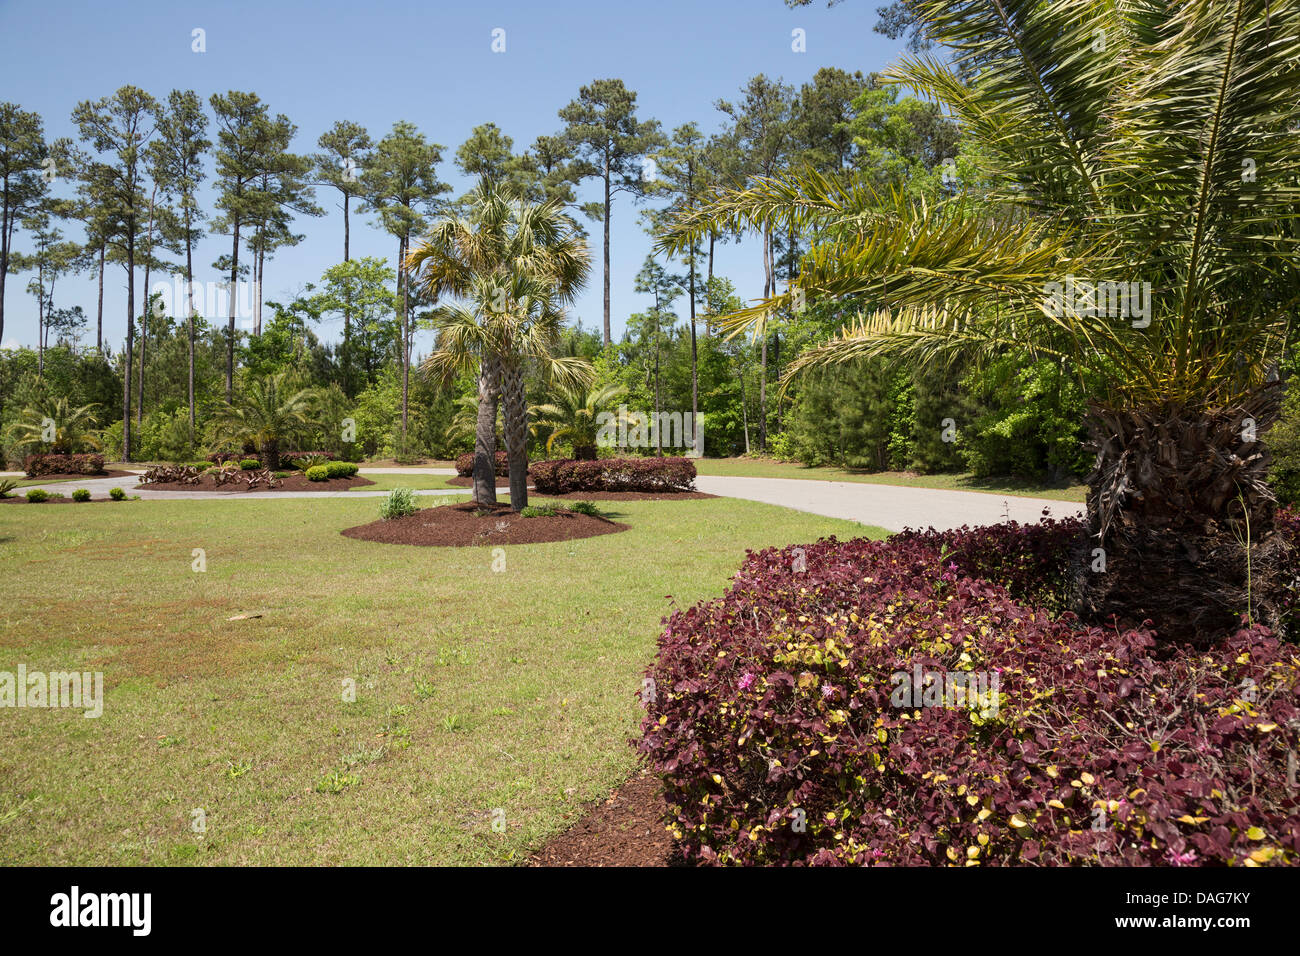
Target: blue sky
{"x": 430, "y": 63}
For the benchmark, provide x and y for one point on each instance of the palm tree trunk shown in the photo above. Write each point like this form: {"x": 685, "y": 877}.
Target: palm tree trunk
{"x": 1181, "y": 521}
{"x": 485, "y": 431}
{"x": 516, "y": 433}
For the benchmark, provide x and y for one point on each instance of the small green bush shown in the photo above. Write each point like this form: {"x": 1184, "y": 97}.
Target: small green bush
{"x": 281, "y": 475}
{"x": 37, "y": 495}
{"x": 399, "y": 503}
{"x": 341, "y": 469}
{"x": 546, "y": 510}
{"x": 317, "y": 473}
{"x": 81, "y": 494}
{"x": 250, "y": 464}
{"x": 117, "y": 494}
{"x": 585, "y": 508}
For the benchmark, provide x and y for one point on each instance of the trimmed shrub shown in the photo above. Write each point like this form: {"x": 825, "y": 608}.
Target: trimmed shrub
{"x": 39, "y": 465}
{"x": 563, "y": 476}
{"x": 249, "y": 464}
{"x": 786, "y": 730}
{"x": 465, "y": 465}
{"x": 399, "y": 503}
{"x": 318, "y": 473}
{"x": 340, "y": 469}
{"x": 37, "y": 495}
{"x": 117, "y": 494}
{"x": 81, "y": 494}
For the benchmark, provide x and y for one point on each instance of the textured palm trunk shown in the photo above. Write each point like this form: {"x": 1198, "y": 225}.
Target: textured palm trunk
{"x": 485, "y": 431}
{"x": 515, "y": 407}
{"x": 1181, "y": 521}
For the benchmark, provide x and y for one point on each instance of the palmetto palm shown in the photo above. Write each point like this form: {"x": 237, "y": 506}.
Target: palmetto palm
{"x": 511, "y": 266}
{"x": 54, "y": 423}
{"x": 573, "y": 416}
{"x": 1131, "y": 142}
{"x": 267, "y": 411}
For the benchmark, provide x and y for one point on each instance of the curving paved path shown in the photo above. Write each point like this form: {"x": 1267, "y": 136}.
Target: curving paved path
{"x": 886, "y": 506}
{"x": 893, "y": 507}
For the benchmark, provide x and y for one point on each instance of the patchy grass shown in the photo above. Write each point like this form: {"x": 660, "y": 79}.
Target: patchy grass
{"x": 770, "y": 468}
{"x": 474, "y": 691}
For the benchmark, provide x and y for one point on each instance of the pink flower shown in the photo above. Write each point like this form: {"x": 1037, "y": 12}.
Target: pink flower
{"x": 746, "y": 680}
{"x": 1180, "y": 859}
{"x": 827, "y": 690}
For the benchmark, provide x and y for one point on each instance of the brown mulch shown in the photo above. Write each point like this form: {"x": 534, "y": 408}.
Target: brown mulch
{"x": 460, "y": 525}
{"x": 67, "y": 475}
{"x": 298, "y": 482}
{"x": 625, "y": 829}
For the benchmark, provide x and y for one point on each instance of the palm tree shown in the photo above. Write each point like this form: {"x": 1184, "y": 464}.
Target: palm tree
{"x": 267, "y": 411}
{"x": 511, "y": 266}
{"x": 1141, "y": 230}
{"x": 54, "y": 423}
{"x": 573, "y": 417}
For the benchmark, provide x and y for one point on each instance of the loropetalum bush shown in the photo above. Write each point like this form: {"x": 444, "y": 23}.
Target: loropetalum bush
{"x": 777, "y": 725}
{"x": 89, "y": 464}
{"x": 465, "y": 465}
{"x": 563, "y": 476}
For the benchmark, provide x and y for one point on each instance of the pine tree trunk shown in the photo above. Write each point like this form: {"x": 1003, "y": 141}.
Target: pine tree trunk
{"x": 607, "y": 210}
{"x": 99, "y": 321}
{"x": 189, "y": 299}
{"x": 485, "y": 431}
{"x": 130, "y": 341}
{"x": 230, "y": 326}
{"x": 1181, "y": 521}
{"x": 515, "y": 409}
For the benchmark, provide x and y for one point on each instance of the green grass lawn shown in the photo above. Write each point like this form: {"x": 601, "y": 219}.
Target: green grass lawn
{"x": 475, "y": 690}
{"x": 414, "y": 482}
{"x": 768, "y": 468}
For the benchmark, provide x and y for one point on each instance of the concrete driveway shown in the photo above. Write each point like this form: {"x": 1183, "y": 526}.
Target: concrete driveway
{"x": 887, "y": 506}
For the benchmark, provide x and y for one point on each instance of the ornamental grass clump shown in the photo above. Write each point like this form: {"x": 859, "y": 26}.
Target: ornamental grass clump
{"x": 399, "y": 503}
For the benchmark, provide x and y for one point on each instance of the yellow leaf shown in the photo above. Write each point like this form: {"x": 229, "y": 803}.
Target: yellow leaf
{"x": 1056, "y": 804}
{"x": 1254, "y": 833}
{"x": 1053, "y": 772}
{"x": 1263, "y": 856}
{"x": 1088, "y": 778}
{"x": 1018, "y": 822}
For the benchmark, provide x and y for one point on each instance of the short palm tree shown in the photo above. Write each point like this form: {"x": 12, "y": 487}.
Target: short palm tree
{"x": 574, "y": 416}
{"x": 56, "y": 426}
{"x": 1142, "y": 231}
{"x": 510, "y": 266}
{"x": 268, "y": 411}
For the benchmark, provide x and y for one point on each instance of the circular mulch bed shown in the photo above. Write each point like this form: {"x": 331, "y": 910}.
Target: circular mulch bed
{"x": 292, "y": 483}
{"x": 465, "y": 524}
{"x": 626, "y": 829}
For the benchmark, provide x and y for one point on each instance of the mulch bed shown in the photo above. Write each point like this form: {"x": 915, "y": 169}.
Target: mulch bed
{"x": 460, "y": 525}
{"x": 297, "y": 482}
{"x": 64, "y": 475}
{"x": 625, "y": 829}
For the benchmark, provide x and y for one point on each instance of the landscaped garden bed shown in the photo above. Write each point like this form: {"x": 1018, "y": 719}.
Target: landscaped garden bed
{"x": 465, "y": 524}
{"x": 808, "y": 717}
{"x": 295, "y": 481}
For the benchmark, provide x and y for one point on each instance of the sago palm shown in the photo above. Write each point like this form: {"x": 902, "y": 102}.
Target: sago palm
{"x": 266, "y": 411}
{"x": 56, "y": 425}
{"x": 1142, "y": 230}
{"x": 510, "y": 267}
{"x": 573, "y": 415}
